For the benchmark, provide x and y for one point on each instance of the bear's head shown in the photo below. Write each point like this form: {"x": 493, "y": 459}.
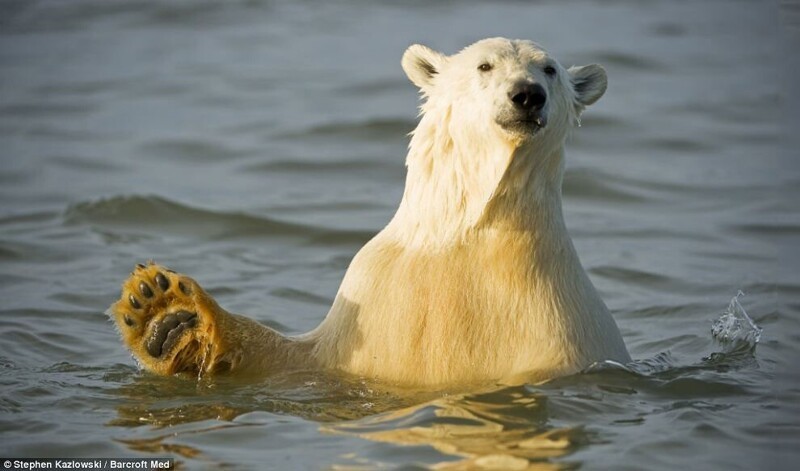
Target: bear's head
{"x": 512, "y": 87}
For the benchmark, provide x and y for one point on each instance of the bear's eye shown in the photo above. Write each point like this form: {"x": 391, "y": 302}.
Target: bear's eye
{"x": 550, "y": 70}
{"x": 485, "y": 67}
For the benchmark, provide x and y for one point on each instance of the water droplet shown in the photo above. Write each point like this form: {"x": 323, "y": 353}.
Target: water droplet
{"x": 202, "y": 367}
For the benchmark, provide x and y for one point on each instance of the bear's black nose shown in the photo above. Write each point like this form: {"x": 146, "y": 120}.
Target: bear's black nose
{"x": 528, "y": 96}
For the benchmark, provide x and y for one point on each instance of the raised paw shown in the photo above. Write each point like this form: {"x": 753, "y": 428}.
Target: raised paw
{"x": 166, "y": 320}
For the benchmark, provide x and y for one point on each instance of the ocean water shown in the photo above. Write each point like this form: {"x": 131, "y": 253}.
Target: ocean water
{"x": 256, "y": 145}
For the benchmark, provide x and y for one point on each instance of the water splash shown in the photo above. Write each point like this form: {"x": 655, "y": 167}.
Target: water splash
{"x": 734, "y": 329}
{"x": 647, "y": 367}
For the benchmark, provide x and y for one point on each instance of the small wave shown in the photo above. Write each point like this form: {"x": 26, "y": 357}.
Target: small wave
{"x": 374, "y": 87}
{"x": 675, "y": 145}
{"x": 373, "y": 130}
{"x": 628, "y": 61}
{"x": 667, "y": 29}
{"x": 68, "y": 16}
{"x": 159, "y": 216}
{"x": 84, "y": 87}
{"x": 83, "y": 164}
{"x": 581, "y": 183}
{"x": 190, "y": 150}
{"x": 643, "y": 278}
{"x": 591, "y": 184}
{"x": 594, "y": 185}
{"x": 35, "y": 110}
{"x": 775, "y": 228}
{"x": 345, "y": 166}
{"x": 659, "y": 363}
{"x": 301, "y": 295}
{"x": 604, "y": 121}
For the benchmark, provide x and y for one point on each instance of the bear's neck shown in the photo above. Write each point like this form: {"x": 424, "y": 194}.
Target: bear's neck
{"x": 455, "y": 189}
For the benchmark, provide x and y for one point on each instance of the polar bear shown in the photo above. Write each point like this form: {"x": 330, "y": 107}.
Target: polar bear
{"x": 474, "y": 279}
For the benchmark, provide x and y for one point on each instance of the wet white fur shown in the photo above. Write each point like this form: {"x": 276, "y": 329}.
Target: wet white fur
{"x": 475, "y": 278}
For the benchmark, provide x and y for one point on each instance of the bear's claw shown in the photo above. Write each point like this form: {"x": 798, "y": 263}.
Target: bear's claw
{"x": 162, "y": 281}
{"x": 145, "y": 290}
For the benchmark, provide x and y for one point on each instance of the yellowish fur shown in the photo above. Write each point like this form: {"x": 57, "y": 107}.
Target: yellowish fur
{"x": 475, "y": 278}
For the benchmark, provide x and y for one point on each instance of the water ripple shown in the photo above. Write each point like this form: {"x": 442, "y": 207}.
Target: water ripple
{"x": 585, "y": 184}
{"x": 159, "y": 216}
{"x": 373, "y": 130}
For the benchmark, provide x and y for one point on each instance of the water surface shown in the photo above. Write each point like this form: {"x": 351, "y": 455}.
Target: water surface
{"x": 256, "y": 145}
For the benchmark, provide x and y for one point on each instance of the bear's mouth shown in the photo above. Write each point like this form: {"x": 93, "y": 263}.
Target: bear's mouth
{"x": 529, "y": 124}
{"x": 537, "y": 122}
{"x": 168, "y": 330}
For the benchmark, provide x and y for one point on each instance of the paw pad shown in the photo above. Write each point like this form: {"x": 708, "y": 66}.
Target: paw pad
{"x": 155, "y": 310}
{"x": 168, "y": 330}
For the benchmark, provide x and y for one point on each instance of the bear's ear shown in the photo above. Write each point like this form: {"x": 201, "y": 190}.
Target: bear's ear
{"x": 589, "y": 82}
{"x": 421, "y": 64}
